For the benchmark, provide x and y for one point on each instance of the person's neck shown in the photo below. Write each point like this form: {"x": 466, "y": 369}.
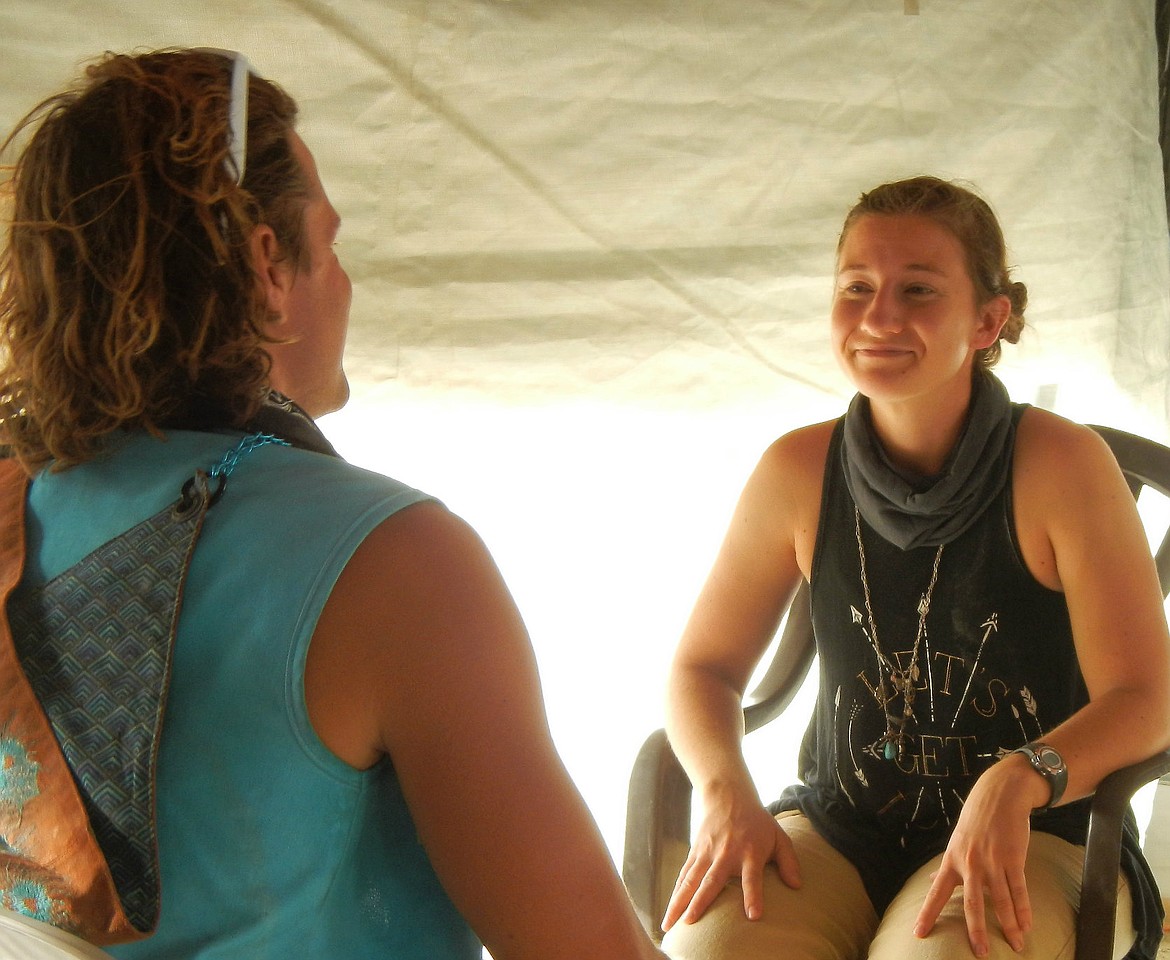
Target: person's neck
{"x": 919, "y": 434}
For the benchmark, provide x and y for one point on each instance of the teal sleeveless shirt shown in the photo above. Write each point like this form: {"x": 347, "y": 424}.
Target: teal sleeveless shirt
{"x": 270, "y": 847}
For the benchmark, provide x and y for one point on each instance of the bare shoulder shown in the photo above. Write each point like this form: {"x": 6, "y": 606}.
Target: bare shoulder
{"x": 1071, "y": 499}
{"x": 1055, "y": 456}
{"x": 786, "y": 489}
{"x": 419, "y": 570}
{"x": 1044, "y": 429}
{"x": 796, "y": 461}
{"x": 420, "y": 598}
{"x": 425, "y": 575}
{"x": 806, "y": 447}
{"x": 425, "y": 536}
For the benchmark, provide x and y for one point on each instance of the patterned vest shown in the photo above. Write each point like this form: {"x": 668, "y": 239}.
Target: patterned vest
{"x": 269, "y": 847}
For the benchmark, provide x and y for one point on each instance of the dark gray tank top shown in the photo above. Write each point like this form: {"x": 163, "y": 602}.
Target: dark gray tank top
{"x": 996, "y": 668}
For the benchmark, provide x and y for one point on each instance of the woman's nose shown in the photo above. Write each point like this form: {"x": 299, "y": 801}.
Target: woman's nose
{"x": 883, "y": 314}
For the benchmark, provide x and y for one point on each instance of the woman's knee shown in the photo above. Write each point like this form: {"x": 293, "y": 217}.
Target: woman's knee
{"x": 1053, "y": 874}
{"x": 829, "y": 917}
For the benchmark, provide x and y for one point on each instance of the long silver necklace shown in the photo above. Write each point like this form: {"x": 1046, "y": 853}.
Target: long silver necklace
{"x": 901, "y": 682}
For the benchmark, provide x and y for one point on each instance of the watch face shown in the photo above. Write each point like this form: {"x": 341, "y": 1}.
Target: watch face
{"x": 1050, "y": 759}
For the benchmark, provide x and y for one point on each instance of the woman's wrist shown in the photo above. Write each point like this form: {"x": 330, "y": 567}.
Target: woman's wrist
{"x": 1030, "y": 783}
{"x": 1048, "y": 764}
{"x": 729, "y": 791}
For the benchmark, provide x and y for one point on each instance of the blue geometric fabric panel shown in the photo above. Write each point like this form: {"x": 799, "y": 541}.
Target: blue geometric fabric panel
{"x": 96, "y": 643}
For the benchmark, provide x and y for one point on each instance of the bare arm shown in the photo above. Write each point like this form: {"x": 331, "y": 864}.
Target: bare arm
{"x": 755, "y": 574}
{"x": 432, "y": 665}
{"x": 1080, "y": 533}
{"x": 1103, "y": 564}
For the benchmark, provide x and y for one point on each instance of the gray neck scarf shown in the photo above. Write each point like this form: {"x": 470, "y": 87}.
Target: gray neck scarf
{"x": 913, "y": 511}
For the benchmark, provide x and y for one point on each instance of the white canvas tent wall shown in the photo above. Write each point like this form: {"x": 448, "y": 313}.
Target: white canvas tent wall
{"x": 592, "y": 250}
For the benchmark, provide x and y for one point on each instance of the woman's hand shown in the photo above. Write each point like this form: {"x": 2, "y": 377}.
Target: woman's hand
{"x": 737, "y": 838}
{"x": 986, "y": 856}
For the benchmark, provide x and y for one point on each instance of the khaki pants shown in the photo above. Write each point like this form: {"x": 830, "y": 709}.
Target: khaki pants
{"x": 830, "y": 916}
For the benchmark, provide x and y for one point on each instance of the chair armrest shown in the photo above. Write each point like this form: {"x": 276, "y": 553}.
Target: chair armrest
{"x": 1098, "y": 911}
{"x": 658, "y": 830}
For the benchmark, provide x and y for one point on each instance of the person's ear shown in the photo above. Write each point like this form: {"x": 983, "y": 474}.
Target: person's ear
{"x": 992, "y": 316}
{"x": 272, "y": 269}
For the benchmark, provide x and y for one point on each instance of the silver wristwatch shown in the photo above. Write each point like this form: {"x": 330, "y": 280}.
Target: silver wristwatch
{"x": 1050, "y": 765}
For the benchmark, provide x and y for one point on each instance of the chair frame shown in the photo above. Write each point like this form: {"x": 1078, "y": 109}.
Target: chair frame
{"x": 658, "y": 816}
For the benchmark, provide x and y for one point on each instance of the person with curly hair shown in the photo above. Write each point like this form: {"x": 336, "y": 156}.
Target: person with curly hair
{"x": 259, "y": 702}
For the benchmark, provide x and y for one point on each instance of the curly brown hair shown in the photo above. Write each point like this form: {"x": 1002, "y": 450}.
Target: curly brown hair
{"x": 127, "y": 294}
{"x": 973, "y": 223}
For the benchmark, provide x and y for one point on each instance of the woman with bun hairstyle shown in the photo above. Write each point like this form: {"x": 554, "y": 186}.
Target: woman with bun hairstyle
{"x": 989, "y": 628}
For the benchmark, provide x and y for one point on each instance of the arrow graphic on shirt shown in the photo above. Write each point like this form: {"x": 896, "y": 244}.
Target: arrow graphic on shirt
{"x": 848, "y": 743}
{"x": 990, "y": 626}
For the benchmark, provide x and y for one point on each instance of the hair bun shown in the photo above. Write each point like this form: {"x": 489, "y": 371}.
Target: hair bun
{"x": 1017, "y": 293}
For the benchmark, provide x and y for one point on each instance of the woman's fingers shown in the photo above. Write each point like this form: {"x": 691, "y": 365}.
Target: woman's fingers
{"x": 704, "y": 875}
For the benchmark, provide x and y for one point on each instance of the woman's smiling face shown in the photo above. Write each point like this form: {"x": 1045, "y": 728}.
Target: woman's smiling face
{"x": 905, "y": 321}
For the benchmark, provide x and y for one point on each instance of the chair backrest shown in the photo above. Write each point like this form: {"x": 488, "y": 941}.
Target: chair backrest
{"x": 23, "y": 938}
{"x": 1146, "y": 465}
